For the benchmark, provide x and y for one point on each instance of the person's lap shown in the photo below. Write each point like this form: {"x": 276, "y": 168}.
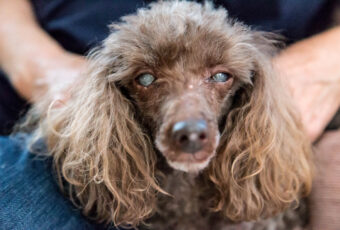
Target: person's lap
{"x": 325, "y": 197}
{"x": 29, "y": 196}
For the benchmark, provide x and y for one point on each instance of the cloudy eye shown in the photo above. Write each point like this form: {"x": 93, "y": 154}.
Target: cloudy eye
{"x": 220, "y": 77}
{"x": 145, "y": 79}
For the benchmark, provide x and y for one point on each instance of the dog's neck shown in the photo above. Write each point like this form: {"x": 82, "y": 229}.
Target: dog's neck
{"x": 186, "y": 206}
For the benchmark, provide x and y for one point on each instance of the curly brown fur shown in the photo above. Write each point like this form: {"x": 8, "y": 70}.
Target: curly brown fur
{"x": 111, "y": 144}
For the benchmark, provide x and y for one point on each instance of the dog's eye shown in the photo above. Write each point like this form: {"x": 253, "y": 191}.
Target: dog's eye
{"x": 220, "y": 77}
{"x": 145, "y": 79}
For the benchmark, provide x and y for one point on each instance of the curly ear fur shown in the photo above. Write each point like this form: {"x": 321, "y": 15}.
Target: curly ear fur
{"x": 263, "y": 161}
{"x": 100, "y": 150}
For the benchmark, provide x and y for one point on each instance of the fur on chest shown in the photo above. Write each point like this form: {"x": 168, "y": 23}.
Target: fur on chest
{"x": 188, "y": 207}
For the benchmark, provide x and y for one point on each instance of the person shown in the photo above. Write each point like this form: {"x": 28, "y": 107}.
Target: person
{"x": 42, "y": 48}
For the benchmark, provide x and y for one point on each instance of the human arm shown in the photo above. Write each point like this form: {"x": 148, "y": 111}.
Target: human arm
{"x": 312, "y": 70}
{"x": 33, "y": 61}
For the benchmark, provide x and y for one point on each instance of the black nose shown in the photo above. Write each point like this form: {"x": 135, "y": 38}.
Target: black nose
{"x": 190, "y": 135}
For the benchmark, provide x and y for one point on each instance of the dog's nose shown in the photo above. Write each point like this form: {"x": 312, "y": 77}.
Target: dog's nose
{"x": 190, "y": 135}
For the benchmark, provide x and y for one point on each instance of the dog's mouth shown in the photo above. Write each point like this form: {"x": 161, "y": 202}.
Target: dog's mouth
{"x": 190, "y": 163}
{"x": 188, "y": 145}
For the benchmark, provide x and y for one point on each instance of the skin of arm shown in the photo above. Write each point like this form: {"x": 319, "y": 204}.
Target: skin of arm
{"x": 34, "y": 62}
{"x": 312, "y": 70}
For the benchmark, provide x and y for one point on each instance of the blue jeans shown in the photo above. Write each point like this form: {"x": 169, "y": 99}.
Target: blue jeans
{"x": 29, "y": 195}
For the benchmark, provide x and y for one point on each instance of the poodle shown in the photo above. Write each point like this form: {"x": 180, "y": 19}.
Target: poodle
{"x": 181, "y": 123}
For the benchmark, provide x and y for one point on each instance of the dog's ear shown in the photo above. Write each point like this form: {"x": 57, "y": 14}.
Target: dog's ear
{"x": 263, "y": 161}
{"x": 99, "y": 148}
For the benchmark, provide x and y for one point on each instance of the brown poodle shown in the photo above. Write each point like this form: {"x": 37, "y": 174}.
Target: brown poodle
{"x": 181, "y": 123}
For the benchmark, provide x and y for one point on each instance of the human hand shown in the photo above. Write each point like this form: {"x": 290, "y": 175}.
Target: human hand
{"x": 54, "y": 78}
{"x": 311, "y": 69}
{"x": 51, "y": 77}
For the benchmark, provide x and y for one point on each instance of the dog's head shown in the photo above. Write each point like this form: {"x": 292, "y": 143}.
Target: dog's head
{"x": 183, "y": 65}
{"x": 188, "y": 81}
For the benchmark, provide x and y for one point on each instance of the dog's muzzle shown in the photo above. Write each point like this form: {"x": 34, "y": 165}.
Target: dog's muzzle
{"x": 188, "y": 136}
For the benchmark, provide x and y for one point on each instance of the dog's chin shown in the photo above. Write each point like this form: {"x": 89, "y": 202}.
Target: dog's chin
{"x": 189, "y": 167}
{"x": 190, "y": 163}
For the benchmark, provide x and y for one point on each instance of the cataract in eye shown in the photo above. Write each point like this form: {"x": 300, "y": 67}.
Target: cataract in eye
{"x": 145, "y": 79}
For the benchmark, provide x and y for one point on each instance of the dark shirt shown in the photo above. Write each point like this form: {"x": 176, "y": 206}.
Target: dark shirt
{"x": 80, "y": 24}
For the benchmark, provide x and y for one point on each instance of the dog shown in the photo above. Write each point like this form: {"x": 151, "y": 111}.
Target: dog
{"x": 181, "y": 123}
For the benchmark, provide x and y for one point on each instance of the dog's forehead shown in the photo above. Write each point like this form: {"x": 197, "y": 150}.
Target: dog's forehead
{"x": 171, "y": 30}
{"x": 176, "y": 18}
{"x": 179, "y": 33}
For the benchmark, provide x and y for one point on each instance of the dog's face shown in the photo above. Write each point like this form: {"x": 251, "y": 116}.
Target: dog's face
{"x": 184, "y": 101}
{"x": 185, "y": 73}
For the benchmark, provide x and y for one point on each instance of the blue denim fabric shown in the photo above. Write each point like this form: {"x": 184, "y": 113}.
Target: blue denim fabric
{"x": 29, "y": 195}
